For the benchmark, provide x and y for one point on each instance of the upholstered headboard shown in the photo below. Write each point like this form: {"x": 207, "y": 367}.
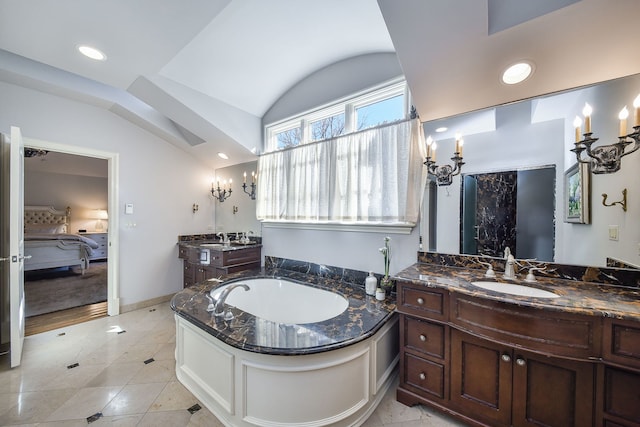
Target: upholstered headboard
{"x": 39, "y": 218}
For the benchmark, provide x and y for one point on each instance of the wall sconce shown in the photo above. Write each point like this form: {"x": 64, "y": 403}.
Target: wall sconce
{"x": 252, "y": 193}
{"x": 444, "y": 173}
{"x": 221, "y": 194}
{"x": 606, "y": 158}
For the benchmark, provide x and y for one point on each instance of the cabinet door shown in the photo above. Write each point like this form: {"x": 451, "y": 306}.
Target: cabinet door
{"x": 189, "y": 273}
{"x": 621, "y": 397}
{"x": 481, "y": 379}
{"x": 552, "y": 392}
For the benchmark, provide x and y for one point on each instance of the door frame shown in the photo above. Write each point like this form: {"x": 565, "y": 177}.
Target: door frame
{"x": 113, "y": 160}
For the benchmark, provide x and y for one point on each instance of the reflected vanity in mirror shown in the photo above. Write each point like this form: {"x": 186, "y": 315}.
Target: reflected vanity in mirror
{"x": 499, "y": 200}
{"x": 238, "y": 213}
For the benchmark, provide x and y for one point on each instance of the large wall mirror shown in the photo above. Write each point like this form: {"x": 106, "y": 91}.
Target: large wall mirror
{"x": 237, "y": 214}
{"x": 516, "y": 156}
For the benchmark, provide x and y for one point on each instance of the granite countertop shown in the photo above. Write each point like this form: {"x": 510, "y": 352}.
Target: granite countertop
{"x": 574, "y": 296}
{"x": 217, "y": 245}
{"x": 363, "y": 318}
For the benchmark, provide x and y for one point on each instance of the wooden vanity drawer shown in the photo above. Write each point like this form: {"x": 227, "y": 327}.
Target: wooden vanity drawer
{"x": 622, "y": 342}
{"x": 423, "y": 376}
{"x": 238, "y": 256}
{"x": 188, "y": 253}
{"x": 542, "y": 331}
{"x": 424, "y": 337}
{"x": 422, "y": 301}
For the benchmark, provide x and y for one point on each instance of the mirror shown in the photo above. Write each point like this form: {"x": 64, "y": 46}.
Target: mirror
{"x": 538, "y": 134}
{"x": 238, "y": 212}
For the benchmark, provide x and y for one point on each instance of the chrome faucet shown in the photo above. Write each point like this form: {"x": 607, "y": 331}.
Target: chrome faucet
{"x": 509, "y": 267}
{"x": 223, "y": 236}
{"x": 218, "y": 308}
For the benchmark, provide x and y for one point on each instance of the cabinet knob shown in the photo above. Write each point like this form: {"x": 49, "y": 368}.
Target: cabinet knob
{"x": 423, "y": 338}
{"x": 520, "y": 362}
{"x": 506, "y": 358}
{"x": 420, "y": 301}
{"x": 422, "y": 376}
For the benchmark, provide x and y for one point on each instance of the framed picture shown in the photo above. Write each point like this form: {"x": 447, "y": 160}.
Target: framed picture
{"x": 577, "y": 194}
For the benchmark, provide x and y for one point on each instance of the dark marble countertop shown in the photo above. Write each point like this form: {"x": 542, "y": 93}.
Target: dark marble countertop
{"x": 216, "y": 245}
{"x": 574, "y": 296}
{"x": 363, "y": 317}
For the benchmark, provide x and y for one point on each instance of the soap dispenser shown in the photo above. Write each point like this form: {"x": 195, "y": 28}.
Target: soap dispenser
{"x": 370, "y": 284}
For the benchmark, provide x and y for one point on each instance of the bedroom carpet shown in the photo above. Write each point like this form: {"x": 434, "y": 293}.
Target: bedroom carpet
{"x": 60, "y": 289}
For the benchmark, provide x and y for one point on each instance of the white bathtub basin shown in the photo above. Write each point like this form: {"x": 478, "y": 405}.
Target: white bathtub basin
{"x": 513, "y": 289}
{"x": 283, "y": 301}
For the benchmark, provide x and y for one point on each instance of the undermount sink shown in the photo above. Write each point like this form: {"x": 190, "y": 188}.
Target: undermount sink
{"x": 512, "y": 289}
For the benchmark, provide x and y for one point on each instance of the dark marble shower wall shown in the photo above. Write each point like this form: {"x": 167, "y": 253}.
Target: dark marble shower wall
{"x": 495, "y": 213}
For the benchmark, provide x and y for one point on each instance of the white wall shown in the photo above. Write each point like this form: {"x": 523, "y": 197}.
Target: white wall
{"x": 161, "y": 181}
{"x": 83, "y": 194}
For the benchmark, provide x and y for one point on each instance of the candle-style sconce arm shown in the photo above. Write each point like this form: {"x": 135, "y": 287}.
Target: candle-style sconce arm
{"x": 606, "y": 158}
{"x": 220, "y": 193}
{"x": 622, "y": 202}
{"x": 444, "y": 173}
{"x": 252, "y": 193}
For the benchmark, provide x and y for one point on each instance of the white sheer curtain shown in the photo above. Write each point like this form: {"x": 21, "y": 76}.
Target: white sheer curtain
{"x": 372, "y": 176}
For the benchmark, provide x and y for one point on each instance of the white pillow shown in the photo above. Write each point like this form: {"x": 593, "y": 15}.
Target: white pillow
{"x": 45, "y": 228}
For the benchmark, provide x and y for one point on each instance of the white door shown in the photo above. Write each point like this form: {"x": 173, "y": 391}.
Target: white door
{"x": 16, "y": 244}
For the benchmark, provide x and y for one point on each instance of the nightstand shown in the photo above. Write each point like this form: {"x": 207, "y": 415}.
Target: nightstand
{"x": 102, "y": 240}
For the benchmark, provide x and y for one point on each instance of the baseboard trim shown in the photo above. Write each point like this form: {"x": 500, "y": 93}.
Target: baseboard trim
{"x": 145, "y": 303}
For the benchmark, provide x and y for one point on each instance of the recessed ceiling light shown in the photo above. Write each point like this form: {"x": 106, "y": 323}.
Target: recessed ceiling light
{"x": 92, "y": 52}
{"x": 517, "y": 73}
{"x": 223, "y": 156}
{"x": 442, "y": 129}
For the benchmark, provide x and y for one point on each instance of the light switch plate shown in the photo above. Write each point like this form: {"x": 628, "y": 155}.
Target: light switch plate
{"x": 613, "y": 232}
{"x": 128, "y": 208}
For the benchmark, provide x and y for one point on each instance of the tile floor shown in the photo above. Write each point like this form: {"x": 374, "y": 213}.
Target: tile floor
{"x": 113, "y": 379}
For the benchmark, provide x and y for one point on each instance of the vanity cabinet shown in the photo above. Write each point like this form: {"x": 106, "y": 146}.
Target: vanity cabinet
{"x": 503, "y": 385}
{"x": 619, "y": 378}
{"x": 220, "y": 262}
{"x": 491, "y": 363}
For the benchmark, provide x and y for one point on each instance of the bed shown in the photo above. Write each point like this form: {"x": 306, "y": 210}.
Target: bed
{"x": 47, "y": 242}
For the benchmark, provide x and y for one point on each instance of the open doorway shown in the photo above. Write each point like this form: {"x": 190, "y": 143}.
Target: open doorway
{"x": 87, "y": 219}
{"x": 66, "y": 234}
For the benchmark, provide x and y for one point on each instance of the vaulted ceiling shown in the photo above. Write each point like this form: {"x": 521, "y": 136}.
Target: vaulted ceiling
{"x": 202, "y": 73}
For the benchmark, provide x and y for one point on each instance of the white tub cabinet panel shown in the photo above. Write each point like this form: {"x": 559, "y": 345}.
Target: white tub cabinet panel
{"x": 336, "y": 388}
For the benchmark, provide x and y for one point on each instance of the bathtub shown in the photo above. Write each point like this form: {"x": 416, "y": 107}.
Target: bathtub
{"x": 271, "y": 299}
{"x": 292, "y": 355}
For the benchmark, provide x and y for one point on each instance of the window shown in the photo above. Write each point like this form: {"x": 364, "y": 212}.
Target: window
{"x": 380, "y": 112}
{"x": 328, "y": 127}
{"x": 385, "y": 104}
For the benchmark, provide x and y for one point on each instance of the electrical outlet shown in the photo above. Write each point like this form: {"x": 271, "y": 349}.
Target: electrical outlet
{"x": 613, "y": 232}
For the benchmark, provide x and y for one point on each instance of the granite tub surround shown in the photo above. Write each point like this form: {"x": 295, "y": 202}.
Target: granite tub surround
{"x": 260, "y": 371}
{"x": 196, "y": 240}
{"x": 603, "y": 275}
{"x": 363, "y": 317}
{"x": 354, "y": 277}
{"x": 574, "y": 296}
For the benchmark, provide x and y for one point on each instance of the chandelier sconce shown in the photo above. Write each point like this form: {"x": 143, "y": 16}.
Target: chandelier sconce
{"x": 606, "y": 158}
{"x": 219, "y": 193}
{"x": 444, "y": 173}
{"x": 252, "y": 193}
